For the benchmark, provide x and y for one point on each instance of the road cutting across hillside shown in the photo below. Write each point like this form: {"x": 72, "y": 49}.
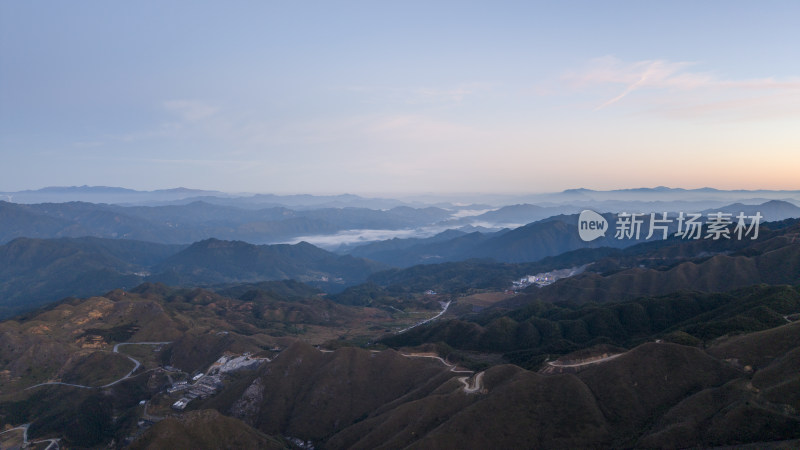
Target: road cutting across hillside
{"x": 444, "y": 310}
{"x": 585, "y": 363}
{"x": 476, "y": 386}
{"x": 136, "y": 366}
{"x": 453, "y": 367}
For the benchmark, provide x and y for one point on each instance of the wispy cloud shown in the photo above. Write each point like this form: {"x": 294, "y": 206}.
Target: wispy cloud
{"x": 709, "y": 92}
{"x": 364, "y": 129}
{"x": 190, "y": 110}
{"x": 422, "y": 95}
{"x": 649, "y": 73}
{"x": 195, "y": 161}
{"x": 184, "y": 117}
{"x": 88, "y": 144}
{"x": 421, "y": 128}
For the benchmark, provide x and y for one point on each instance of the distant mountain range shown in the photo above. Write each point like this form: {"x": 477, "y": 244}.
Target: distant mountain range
{"x": 123, "y": 196}
{"x": 526, "y": 213}
{"x": 118, "y": 195}
{"x": 48, "y": 253}
{"x": 183, "y": 216}
{"x": 34, "y": 272}
{"x": 102, "y": 194}
{"x": 667, "y": 343}
{"x": 184, "y": 224}
{"x": 37, "y": 268}
{"x": 213, "y": 261}
{"x": 548, "y": 237}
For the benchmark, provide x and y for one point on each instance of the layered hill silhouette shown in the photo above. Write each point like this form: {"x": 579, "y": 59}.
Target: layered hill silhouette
{"x": 182, "y": 196}
{"x": 532, "y": 242}
{"x": 184, "y": 224}
{"x": 545, "y": 237}
{"x": 37, "y": 271}
{"x": 662, "y": 344}
{"x": 214, "y": 262}
{"x": 34, "y": 272}
{"x": 773, "y": 210}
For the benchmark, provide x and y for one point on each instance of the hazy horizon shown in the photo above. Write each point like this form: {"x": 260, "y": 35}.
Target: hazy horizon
{"x": 462, "y": 203}
{"x": 454, "y": 195}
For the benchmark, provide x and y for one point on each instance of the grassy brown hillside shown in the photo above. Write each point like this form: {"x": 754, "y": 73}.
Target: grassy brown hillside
{"x": 528, "y": 335}
{"x": 761, "y": 348}
{"x": 96, "y": 368}
{"x": 724, "y": 369}
{"x": 737, "y": 389}
{"x": 41, "y": 347}
{"x": 633, "y": 389}
{"x": 71, "y": 341}
{"x": 523, "y": 410}
{"x": 661, "y": 268}
{"x": 205, "y": 429}
{"x": 716, "y": 274}
{"x": 311, "y": 394}
{"x": 656, "y": 395}
{"x": 761, "y": 406}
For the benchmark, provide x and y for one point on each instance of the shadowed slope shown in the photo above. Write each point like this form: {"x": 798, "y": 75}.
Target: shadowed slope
{"x": 310, "y": 394}
{"x": 204, "y": 429}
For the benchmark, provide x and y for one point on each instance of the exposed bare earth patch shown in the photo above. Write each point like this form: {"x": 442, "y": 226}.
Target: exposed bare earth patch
{"x": 485, "y": 299}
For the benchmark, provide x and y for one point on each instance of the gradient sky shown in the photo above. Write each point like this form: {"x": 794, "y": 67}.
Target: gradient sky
{"x": 399, "y": 96}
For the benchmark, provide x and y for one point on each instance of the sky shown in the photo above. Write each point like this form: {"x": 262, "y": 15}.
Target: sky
{"x": 388, "y": 97}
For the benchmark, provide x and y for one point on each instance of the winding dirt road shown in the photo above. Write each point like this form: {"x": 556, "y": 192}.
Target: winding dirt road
{"x": 136, "y": 365}
{"x": 453, "y": 367}
{"x": 476, "y": 386}
{"x": 585, "y": 363}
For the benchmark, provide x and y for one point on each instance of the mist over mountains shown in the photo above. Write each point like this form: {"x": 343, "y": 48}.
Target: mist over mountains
{"x": 411, "y": 324}
{"x": 183, "y": 224}
{"x": 123, "y": 196}
{"x": 331, "y": 221}
{"x": 399, "y": 225}
{"x": 75, "y": 248}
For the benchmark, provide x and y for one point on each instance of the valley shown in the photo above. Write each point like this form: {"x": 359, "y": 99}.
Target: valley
{"x": 656, "y": 343}
{"x": 399, "y": 225}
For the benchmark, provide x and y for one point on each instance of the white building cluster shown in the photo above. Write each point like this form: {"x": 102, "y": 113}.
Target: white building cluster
{"x": 231, "y": 363}
{"x": 546, "y": 278}
{"x": 206, "y": 385}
